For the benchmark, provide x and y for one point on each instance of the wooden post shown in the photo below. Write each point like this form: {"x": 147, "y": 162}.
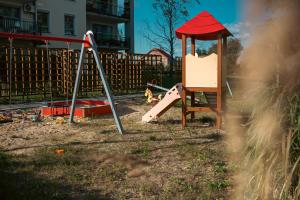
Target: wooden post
{"x": 15, "y": 68}
{"x": 183, "y": 81}
{"x": 224, "y": 73}
{"x": 88, "y": 78}
{"x": 219, "y": 92}
{"x": 23, "y": 73}
{"x": 36, "y": 67}
{"x": 43, "y": 73}
{"x": 29, "y": 71}
{"x": 82, "y": 77}
{"x": 10, "y": 67}
{"x": 193, "y": 50}
{"x": 50, "y": 73}
{"x": 8, "y": 72}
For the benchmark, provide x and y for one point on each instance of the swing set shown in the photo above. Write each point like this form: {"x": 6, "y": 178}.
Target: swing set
{"x": 88, "y": 43}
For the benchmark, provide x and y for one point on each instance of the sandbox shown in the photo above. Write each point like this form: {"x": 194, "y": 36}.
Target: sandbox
{"x": 84, "y": 108}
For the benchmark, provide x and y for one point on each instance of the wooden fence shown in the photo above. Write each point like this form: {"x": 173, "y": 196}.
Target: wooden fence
{"x": 30, "y": 76}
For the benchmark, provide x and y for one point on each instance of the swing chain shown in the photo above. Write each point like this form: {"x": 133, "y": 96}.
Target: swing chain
{"x": 67, "y": 71}
{"x": 10, "y": 39}
{"x": 49, "y": 72}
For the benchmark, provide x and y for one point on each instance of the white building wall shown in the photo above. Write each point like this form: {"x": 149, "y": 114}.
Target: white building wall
{"x": 57, "y": 10}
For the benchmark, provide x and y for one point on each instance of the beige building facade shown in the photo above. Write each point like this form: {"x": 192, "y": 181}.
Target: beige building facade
{"x": 165, "y": 56}
{"x": 112, "y": 21}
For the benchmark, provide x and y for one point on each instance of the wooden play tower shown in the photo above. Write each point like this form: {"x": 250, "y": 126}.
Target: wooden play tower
{"x": 203, "y": 74}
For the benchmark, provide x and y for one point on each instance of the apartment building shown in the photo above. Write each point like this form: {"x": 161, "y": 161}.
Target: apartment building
{"x": 112, "y": 21}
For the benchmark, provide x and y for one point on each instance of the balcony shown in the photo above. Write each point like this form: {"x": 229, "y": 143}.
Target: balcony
{"x": 14, "y": 25}
{"x": 108, "y": 9}
{"x": 111, "y": 40}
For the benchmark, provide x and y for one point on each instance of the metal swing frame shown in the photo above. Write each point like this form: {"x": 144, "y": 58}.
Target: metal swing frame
{"x": 89, "y": 36}
{"x": 87, "y": 42}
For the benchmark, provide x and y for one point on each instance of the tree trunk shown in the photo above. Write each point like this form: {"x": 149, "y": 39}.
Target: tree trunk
{"x": 171, "y": 66}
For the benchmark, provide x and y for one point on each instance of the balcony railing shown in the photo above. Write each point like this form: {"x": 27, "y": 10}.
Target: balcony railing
{"x": 17, "y": 25}
{"x": 116, "y": 40}
{"x": 108, "y": 9}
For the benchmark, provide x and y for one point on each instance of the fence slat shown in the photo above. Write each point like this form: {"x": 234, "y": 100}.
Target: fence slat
{"x": 30, "y": 77}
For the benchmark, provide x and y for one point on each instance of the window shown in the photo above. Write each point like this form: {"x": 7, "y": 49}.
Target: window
{"x": 104, "y": 6}
{"x": 10, "y": 12}
{"x": 43, "y": 21}
{"x": 103, "y": 31}
{"x": 10, "y": 19}
{"x": 69, "y": 25}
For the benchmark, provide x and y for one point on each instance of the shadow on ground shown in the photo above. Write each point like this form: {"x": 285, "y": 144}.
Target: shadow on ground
{"x": 17, "y": 182}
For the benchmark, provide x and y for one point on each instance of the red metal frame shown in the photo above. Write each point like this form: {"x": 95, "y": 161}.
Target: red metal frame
{"x": 42, "y": 38}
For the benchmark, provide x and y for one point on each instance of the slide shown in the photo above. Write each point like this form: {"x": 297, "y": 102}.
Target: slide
{"x": 171, "y": 97}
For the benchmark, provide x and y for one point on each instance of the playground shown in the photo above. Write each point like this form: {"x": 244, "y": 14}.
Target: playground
{"x": 151, "y": 161}
{"x": 167, "y": 143}
{"x": 89, "y": 124}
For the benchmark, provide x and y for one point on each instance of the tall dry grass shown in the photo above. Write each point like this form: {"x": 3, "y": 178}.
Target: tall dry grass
{"x": 268, "y": 148}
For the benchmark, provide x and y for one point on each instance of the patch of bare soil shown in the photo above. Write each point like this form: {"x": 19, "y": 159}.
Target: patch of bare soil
{"x": 159, "y": 160}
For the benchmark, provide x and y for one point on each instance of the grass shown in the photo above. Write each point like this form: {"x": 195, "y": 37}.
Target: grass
{"x": 218, "y": 185}
{"x": 25, "y": 179}
{"x": 142, "y": 150}
{"x": 293, "y": 183}
{"x": 220, "y": 167}
{"x": 46, "y": 175}
{"x": 151, "y": 161}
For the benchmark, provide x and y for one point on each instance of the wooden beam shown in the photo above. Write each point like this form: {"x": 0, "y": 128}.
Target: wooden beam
{"x": 200, "y": 109}
{"x": 193, "y": 51}
{"x": 201, "y": 89}
{"x": 183, "y": 60}
{"x": 224, "y": 73}
{"x": 224, "y": 62}
{"x": 219, "y": 93}
{"x": 183, "y": 81}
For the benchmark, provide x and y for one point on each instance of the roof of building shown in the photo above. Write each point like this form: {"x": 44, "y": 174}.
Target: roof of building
{"x": 202, "y": 27}
{"x": 161, "y": 51}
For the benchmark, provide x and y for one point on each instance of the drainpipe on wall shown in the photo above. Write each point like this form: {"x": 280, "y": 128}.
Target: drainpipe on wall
{"x": 132, "y": 26}
{"x": 35, "y": 16}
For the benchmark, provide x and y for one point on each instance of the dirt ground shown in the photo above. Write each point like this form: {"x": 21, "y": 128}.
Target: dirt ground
{"x": 158, "y": 160}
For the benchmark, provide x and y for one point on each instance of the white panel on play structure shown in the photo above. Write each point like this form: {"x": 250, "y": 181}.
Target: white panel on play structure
{"x": 202, "y": 71}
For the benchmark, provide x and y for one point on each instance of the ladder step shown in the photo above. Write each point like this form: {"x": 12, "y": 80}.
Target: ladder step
{"x": 200, "y": 109}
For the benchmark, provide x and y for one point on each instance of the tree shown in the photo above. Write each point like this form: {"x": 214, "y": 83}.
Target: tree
{"x": 234, "y": 48}
{"x": 168, "y": 14}
{"x": 201, "y": 52}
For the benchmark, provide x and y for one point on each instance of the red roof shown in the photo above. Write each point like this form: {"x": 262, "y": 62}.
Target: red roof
{"x": 202, "y": 27}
